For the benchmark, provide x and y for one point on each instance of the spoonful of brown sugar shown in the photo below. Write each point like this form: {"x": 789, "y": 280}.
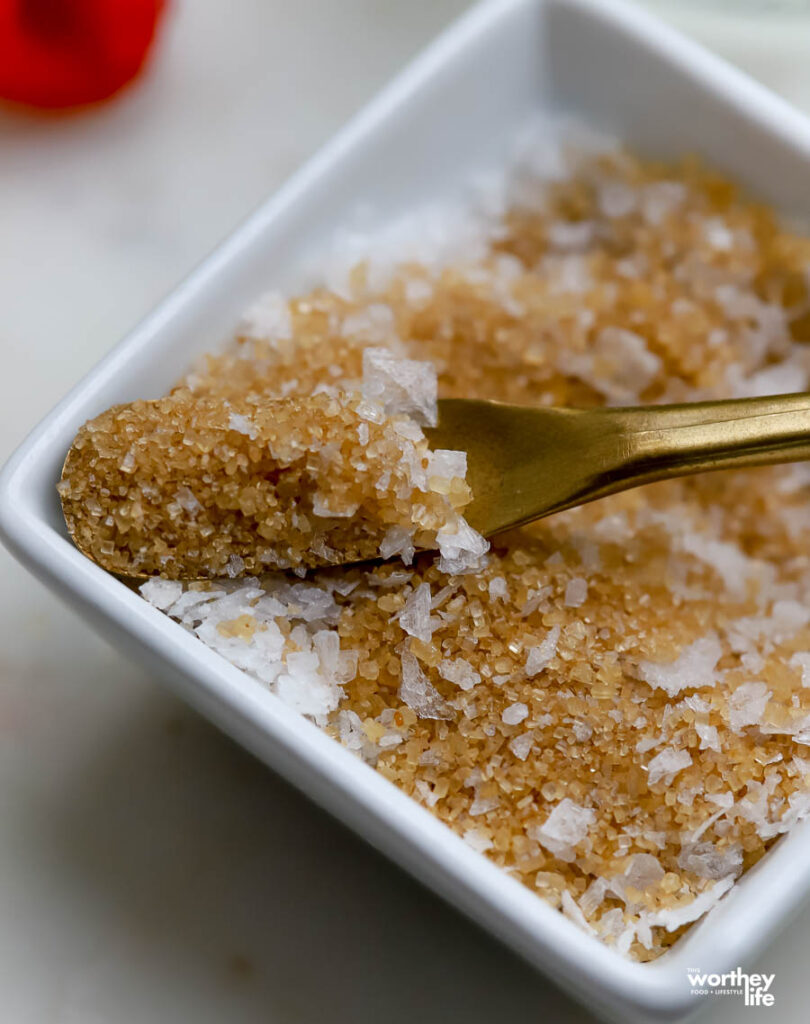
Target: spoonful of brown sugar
{"x": 189, "y": 487}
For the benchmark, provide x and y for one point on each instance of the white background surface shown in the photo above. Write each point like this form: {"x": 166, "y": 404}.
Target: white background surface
{"x": 150, "y": 871}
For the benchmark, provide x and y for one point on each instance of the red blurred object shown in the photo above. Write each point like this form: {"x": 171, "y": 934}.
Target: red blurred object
{"x": 66, "y": 53}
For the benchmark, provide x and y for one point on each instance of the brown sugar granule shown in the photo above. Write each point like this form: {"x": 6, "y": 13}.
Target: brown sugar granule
{"x": 614, "y": 706}
{"x": 189, "y": 486}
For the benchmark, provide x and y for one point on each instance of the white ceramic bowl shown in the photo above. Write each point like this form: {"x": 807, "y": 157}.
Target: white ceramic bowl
{"x": 623, "y": 72}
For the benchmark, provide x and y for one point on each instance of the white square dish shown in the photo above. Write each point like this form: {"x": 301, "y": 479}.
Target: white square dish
{"x": 460, "y": 102}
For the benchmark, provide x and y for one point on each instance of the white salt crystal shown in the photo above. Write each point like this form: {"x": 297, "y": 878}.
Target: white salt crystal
{"x": 235, "y": 566}
{"x": 461, "y": 548}
{"x": 618, "y": 365}
{"x": 371, "y": 411}
{"x": 521, "y": 745}
{"x": 419, "y": 693}
{"x": 427, "y": 793}
{"x": 398, "y": 541}
{"x": 789, "y": 617}
{"x": 310, "y": 603}
{"x": 643, "y": 871}
{"x": 460, "y": 672}
{"x": 718, "y": 234}
{"x": 593, "y": 897}
{"x": 540, "y": 656}
{"x": 576, "y": 592}
{"x": 401, "y": 385}
{"x": 446, "y": 464}
{"x": 573, "y": 913}
{"x": 625, "y": 938}
{"x": 801, "y": 661}
{"x": 242, "y": 425}
{"x": 582, "y": 730}
{"x": 305, "y": 690}
{"x": 781, "y": 378}
{"x": 724, "y": 800}
{"x": 667, "y": 764}
{"x": 408, "y": 429}
{"x": 268, "y": 319}
{"x": 747, "y": 704}
{"x": 498, "y": 588}
{"x": 694, "y": 667}
{"x": 515, "y": 713}
{"x": 709, "y": 861}
{"x": 482, "y": 805}
{"x": 565, "y": 827}
{"x": 351, "y": 731}
{"x": 709, "y": 739}
{"x": 732, "y": 565}
{"x": 374, "y": 322}
{"x": 478, "y": 840}
{"x": 415, "y": 615}
{"x": 161, "y": 593}
{"x": 676, "y": 917}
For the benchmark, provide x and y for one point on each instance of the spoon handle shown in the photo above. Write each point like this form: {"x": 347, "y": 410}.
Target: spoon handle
{"x": 659, "y": 442}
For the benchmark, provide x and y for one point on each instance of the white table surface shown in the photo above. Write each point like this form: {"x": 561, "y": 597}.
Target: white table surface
{"x": 150, "y": 871}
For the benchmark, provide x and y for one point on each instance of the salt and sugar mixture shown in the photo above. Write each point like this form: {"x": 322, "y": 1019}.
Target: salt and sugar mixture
{"x": 189, "y": 487}
{"x": 612, "y": 704}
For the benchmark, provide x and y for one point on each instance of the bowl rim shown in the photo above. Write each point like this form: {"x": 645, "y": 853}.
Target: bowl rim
{"x": 301, "y": 751}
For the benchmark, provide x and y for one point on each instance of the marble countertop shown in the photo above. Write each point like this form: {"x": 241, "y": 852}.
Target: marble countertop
{"x": 150, "y": 870}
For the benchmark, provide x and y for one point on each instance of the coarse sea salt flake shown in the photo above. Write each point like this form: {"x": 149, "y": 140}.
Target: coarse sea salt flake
{"x": 747, "y": 705}
{"x": 401, "y": 385}
{"x": 694, "y": 667}
{"x": 161, "y": 593}
{"x": 667, "y": 764}
{"x": 419, "y": 693}
{"x": 483, "y": 805}
{"x": 415, "y": 616}
{"x": 242, "y": 425}
{"x": 398, "y": 541}
{"x": 801, "y": 661}
{"x": 461, "y": 548}
{"x": 676, "y": 917}
{"x": 447, "y": 464}
{"x": 460, "y": 672}
{"x": 268, "y": 319}
{"x": 521, "y": 745}
{"x": 565, "y": 828}
{"x": 478, "y": 840}
{"x": 709, "y": 737}
{"x": 540, "y": 656}
{"x": 498, "y": 588}
{"x": 515, "y": 713}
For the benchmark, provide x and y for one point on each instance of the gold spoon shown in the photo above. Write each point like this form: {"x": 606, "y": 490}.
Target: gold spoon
{"x": 526, "y": 463}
